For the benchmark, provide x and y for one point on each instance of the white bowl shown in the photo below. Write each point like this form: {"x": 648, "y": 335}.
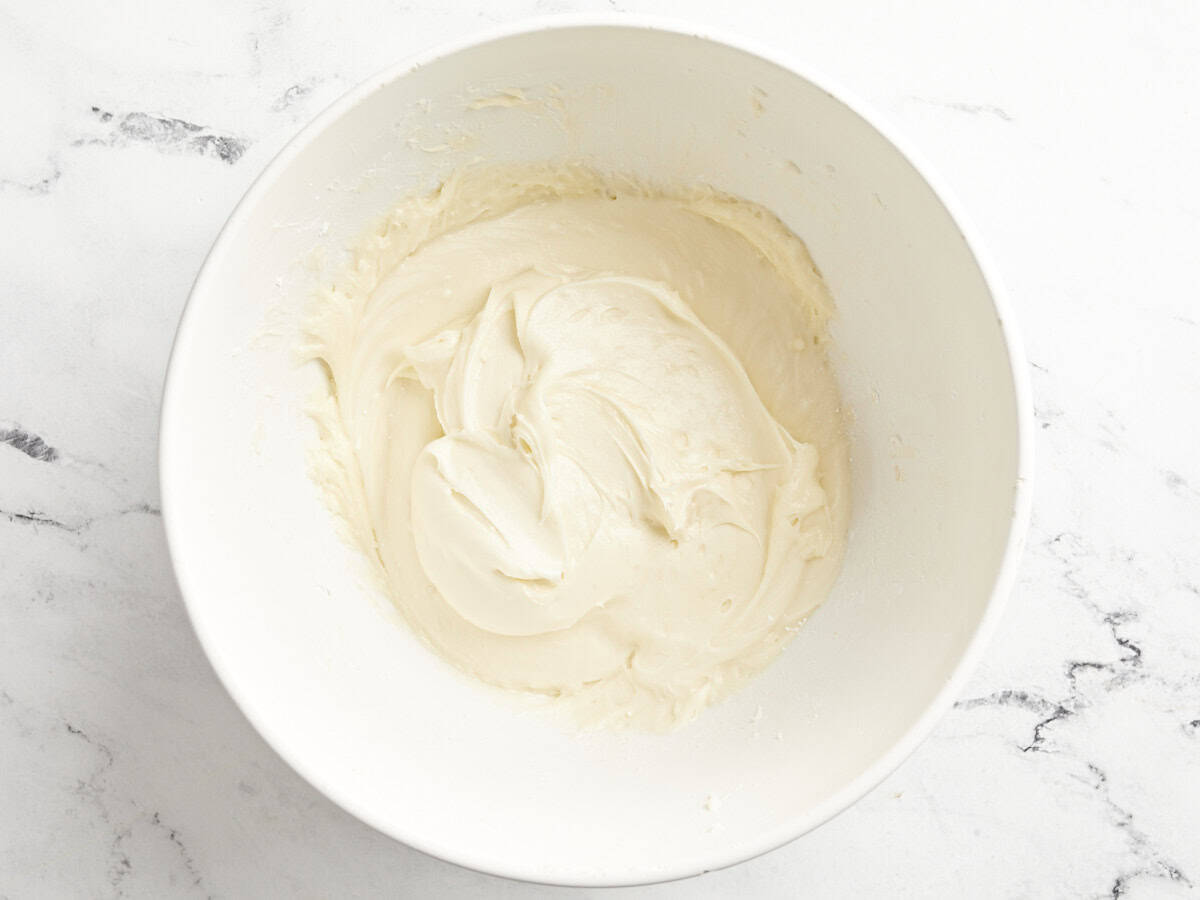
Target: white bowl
{"x": 939, "y": 420}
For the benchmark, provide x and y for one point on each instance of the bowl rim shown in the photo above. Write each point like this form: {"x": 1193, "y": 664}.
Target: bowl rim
{"x": 915, "y": 734}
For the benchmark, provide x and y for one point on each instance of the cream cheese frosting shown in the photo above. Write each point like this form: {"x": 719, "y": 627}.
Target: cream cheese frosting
{"x": 588, "y": 433}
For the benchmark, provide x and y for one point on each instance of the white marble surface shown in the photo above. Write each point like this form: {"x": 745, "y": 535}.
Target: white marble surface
{"x": 1071, "y": 767}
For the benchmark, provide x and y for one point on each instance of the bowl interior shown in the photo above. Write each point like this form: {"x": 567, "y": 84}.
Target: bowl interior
{"x": 324, "y": 668}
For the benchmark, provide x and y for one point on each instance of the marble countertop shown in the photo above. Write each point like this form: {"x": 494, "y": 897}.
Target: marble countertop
{"x": 1071, "y": 765}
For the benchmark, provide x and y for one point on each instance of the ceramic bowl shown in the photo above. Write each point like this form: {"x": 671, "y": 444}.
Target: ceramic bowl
{"x": 930, "y": 373}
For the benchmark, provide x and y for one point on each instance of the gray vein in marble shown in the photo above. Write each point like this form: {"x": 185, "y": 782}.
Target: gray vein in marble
{"x": 21, "y": 439}
{"x": 1050, "y": 711}
{"x": 1045, "y": 413}
{"x": 29, "y": 444}
{"x": 89, "y": 786}
{"x": 91, "y": 789}
{"x": 39, "y": 187}
{"x": 189, "y": 864}
{"x": 1176, "y": 483}
{"x": 1113, "y": 428}
{"x": 1070, "y": 552}
{"x": 276, "y": 24}
{"x": 1020, "y": 699}
{"x": 167, "y": 134}
{"x": 293, "y": 95}
{"x": 971, "y": 109}
{"x": 38, "y": 518}
{"x": 1152, "y": 864}
{"x": 1066, "y": 548}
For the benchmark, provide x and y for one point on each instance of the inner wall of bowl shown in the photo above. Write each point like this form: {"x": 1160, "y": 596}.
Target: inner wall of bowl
{"x": 334, "y": 680}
